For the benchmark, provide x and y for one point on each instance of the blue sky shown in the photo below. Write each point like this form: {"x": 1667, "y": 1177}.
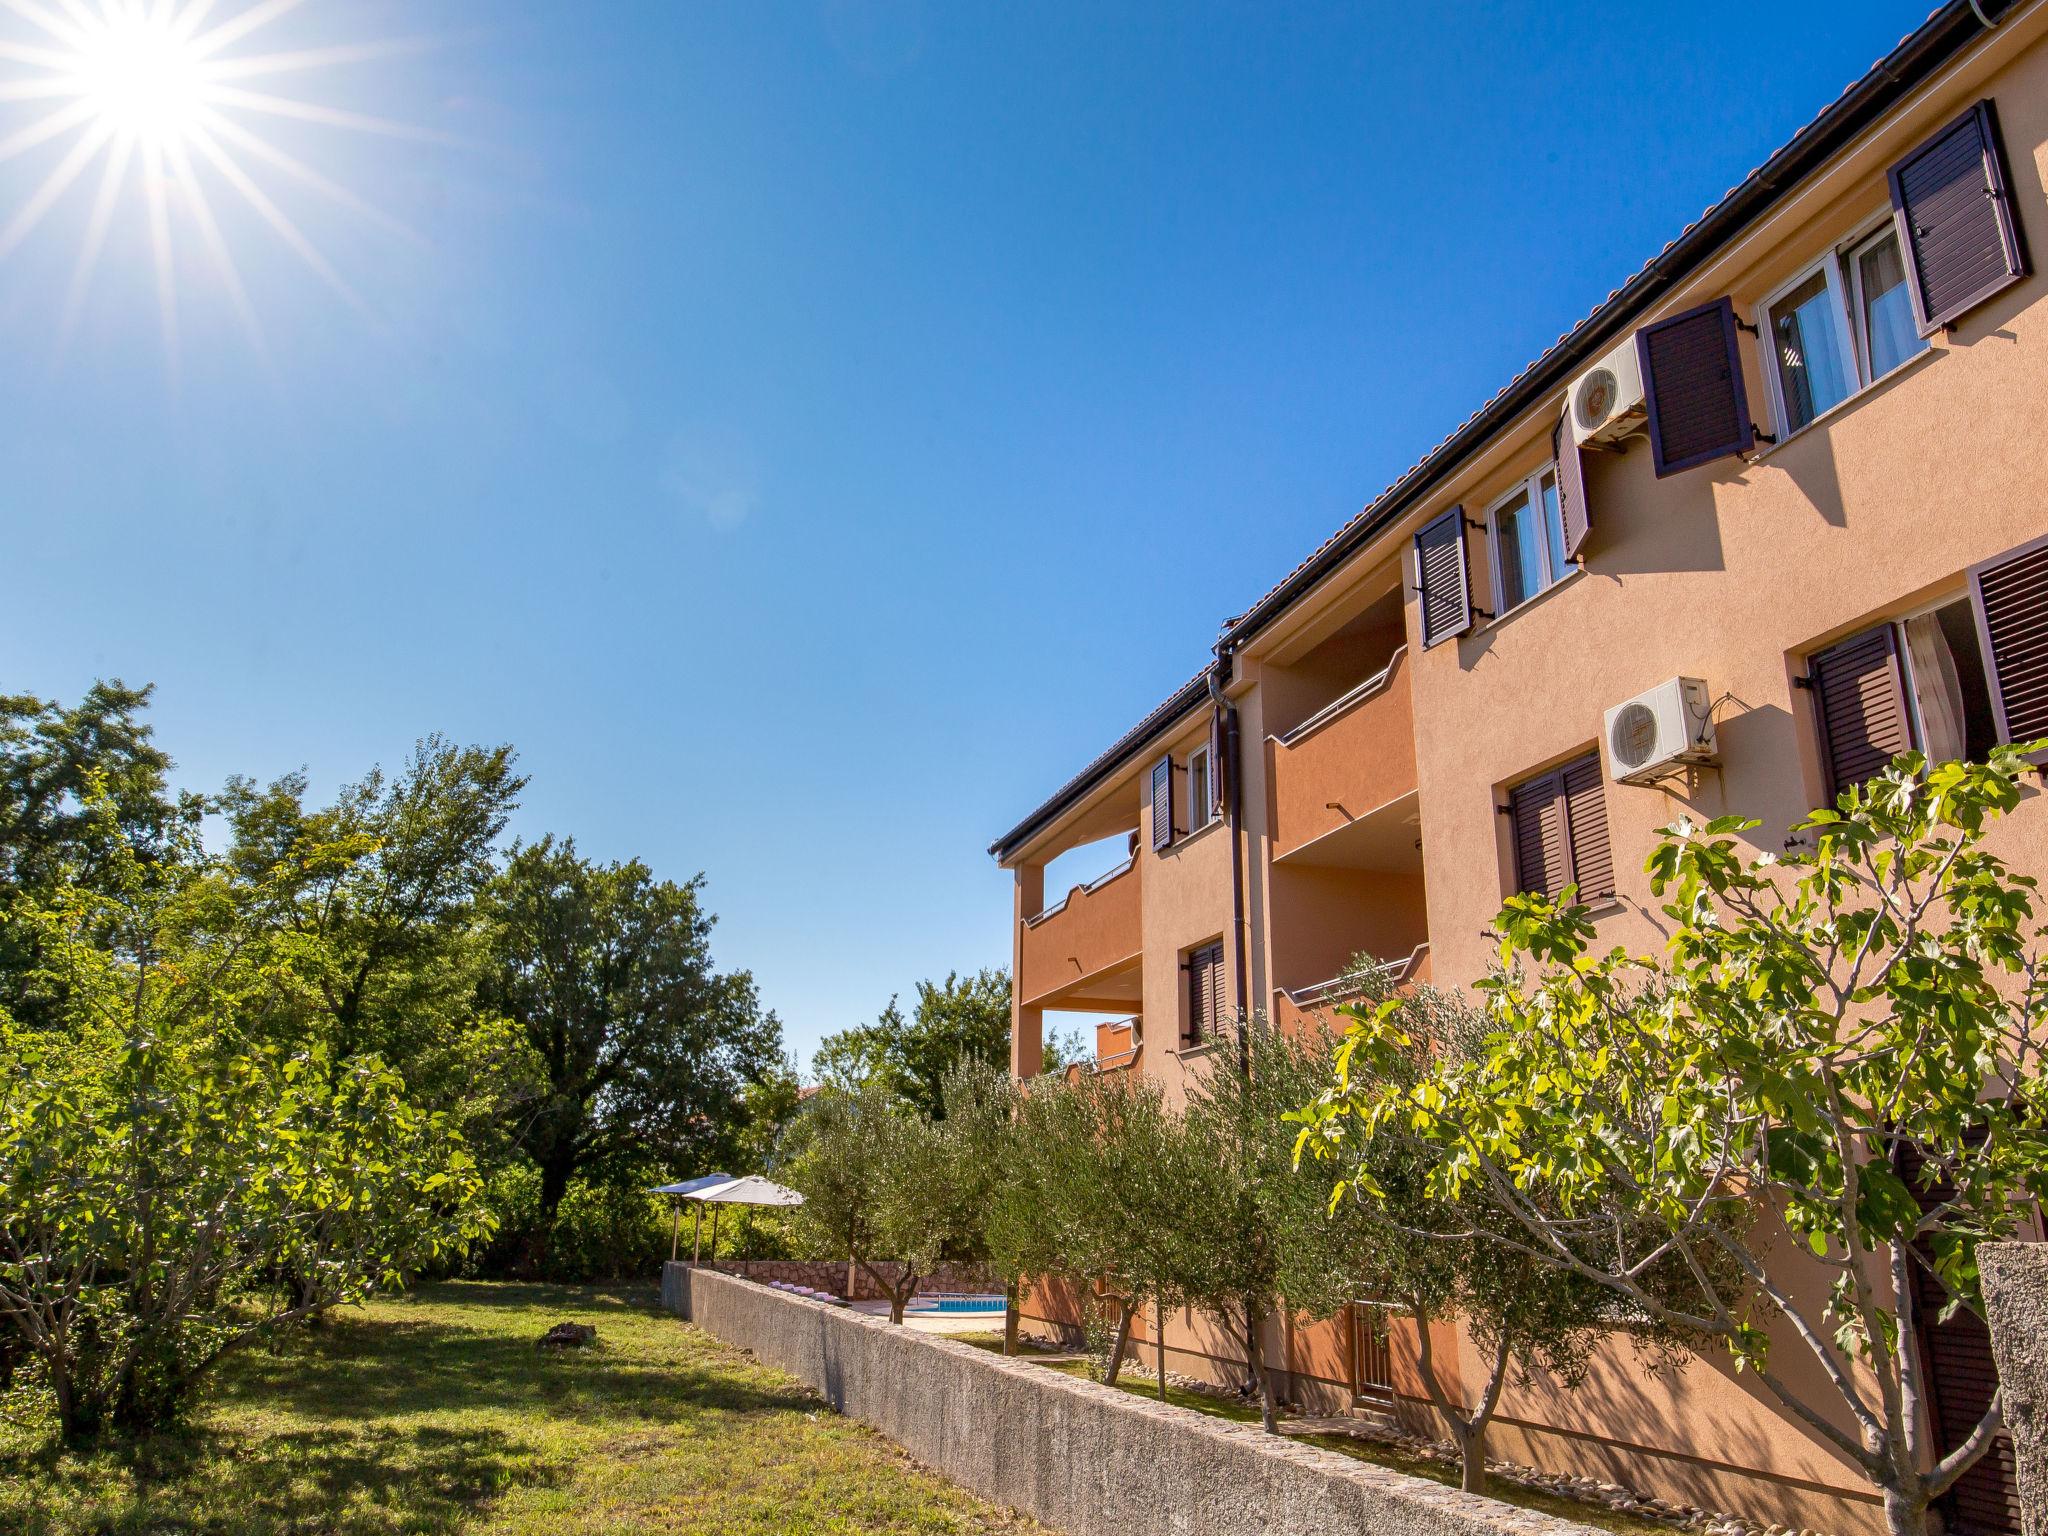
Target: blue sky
{"x": 811, "y": 431}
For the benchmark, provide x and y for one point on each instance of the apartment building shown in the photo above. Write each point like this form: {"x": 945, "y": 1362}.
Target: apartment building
{"x": 1775, "y": 510}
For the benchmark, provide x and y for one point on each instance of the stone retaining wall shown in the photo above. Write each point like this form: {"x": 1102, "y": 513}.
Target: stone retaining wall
{"x": 830, "y": 1275}
{"x": 1087, "y": 1459}
{"x": 2016, "y": 1305}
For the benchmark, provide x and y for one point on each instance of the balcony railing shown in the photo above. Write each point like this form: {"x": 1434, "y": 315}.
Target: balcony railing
{"x": 1350, "y": 759}
{"x": 1094, "y": 928}
{"x": 1292, "y": 1005}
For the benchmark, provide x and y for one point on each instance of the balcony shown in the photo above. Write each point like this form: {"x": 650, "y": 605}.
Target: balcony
{"x": 1295, "y": 1008}
{"x": 1084, "y": 952}
{"x": 1117, "y": 1049}
{"x": 1343, "y": 781}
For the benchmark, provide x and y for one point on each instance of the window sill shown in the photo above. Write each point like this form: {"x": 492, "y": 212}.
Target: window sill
{"x": 1527, "y": 603}
{"x": 1846, "y": 402}
{"x": 1188, "y": 838}
{"x": 1199, "y": 1048}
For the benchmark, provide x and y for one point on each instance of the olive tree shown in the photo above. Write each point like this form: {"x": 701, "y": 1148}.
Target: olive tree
{"x": 1109, "y": 1171}
{"x": 881, "y": 1181}
{"x": 1840, "y": 1052}
{"x": 1257, "y": 1218}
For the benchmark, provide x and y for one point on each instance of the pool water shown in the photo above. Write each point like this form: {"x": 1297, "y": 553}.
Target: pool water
{"x": 959, "y": 1304}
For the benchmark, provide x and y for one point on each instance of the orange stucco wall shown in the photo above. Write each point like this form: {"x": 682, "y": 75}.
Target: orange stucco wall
{"x": 1734, "y": 573}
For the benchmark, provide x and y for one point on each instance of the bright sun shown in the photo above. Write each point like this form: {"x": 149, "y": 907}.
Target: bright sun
{"x": 142, "y": 76}
{"x": 157, "y": 94}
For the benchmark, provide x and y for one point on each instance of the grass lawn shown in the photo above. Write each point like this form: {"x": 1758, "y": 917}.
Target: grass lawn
{"x": 435, "y": 1413}
{"x": 1246, "y": 1411}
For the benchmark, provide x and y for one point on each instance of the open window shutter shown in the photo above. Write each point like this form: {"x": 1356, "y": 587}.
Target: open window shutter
{"x": 2012, "y": 612}
{"x": 1585, "y": 822}
{"x": 1536, "y": 810}
{"x": 1442, "y": 577}
{"x": 1162, "y": 802}
{"x": 1861, "y": 699}
{"x": 1692, "y": 384}
{"x": 1205, "y": 992}
{"x": 1571, "y": 486}
{"x": 1217, "y": 766}
{"x": 1955, "y": 219}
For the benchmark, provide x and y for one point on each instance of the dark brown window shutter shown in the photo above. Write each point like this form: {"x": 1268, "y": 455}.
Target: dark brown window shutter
{"x": 1205, "y": 992}
{"x": 1560, "y": 831}
{"x": 1217, "y": 768}
{"x": 1443, "y": 577}
{"x": 1955, "y": 219}
{"x": 2012, "y": 611}
{"x": 1571, "y": 486}
{"x": 1692, "y": 384}
{"x": 1585, "y": 826}
{"x": 1536, "y": 810}
{"x": 1162, "y": 802}
{"x": 1860, "y": 696}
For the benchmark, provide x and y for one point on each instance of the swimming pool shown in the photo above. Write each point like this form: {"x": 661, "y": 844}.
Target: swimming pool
{"x": 957, "y": 1304}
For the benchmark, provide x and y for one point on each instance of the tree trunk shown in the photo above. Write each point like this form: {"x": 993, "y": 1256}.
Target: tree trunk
{"x": 1128, "y": 1310}
{"x": 554, "y": 1184}
{"x": 899, "y": 1298}
{"x": 1011, "y": 1296}
{"x": 1471, "y": 1439}
{"x": 1468, "y": 1430}
{"x": 1159, "y": 1308}
{"x": 1255, "y": 1355}
{"x": 1905, "y": 1514}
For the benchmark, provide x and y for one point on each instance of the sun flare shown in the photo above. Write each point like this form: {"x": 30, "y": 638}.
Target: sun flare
{"x": 157, "y": 94}
{"x": 141, "y": 77}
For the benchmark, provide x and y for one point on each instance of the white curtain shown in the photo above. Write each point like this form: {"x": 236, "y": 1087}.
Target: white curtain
{"x": 1937, "y": 689}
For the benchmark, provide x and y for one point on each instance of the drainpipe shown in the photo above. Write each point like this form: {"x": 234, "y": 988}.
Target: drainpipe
{"x": 1233, "y": 819}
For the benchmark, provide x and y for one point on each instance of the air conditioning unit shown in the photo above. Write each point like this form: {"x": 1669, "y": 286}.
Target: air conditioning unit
{"x": 1668, "y": 727}
{"x": 1607, "y": 399}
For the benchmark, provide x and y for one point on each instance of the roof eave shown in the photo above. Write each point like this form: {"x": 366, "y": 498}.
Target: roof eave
{"x": 1891, "y": 79}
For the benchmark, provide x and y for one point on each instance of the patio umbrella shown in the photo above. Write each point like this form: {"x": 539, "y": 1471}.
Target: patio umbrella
{"x": 750, "y": 1189}
{"x": 688, "y": 1187}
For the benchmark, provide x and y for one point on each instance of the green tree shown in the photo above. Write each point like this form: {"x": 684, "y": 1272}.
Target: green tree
{"x": 963, "y": 1018}
{"x": 62, "y": 772}
{"x": 159, "y": 1168}
{"x": 1108, "y": 1169}
{"x": 1841, "y": 1049}
{"x": 1258, "y": 1219}
{"x": 397, "y": 927}
{"x": 638, "y": 1048}
{"x": 841, "y": 1145}
{"x": 1404, "y": 1245}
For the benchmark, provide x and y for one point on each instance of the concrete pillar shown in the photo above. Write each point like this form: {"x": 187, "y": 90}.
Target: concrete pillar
{"x": 1027, "y": 1025}
{"x": 2016, "y": 1305}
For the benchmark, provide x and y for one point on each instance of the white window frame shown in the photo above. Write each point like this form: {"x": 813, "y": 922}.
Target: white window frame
{"x": 1859, "y": 334}
{"x": 1200, "y": 815}
{"x": 1845, "y": 291}
{"x": 1532, "y": 489}
{"x": 1830, "y": 269}
{"x": 1908, "y": 679}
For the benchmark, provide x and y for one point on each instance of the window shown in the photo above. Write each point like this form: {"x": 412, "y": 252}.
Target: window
{"x": 1560, "y": 831}
{"x": 1839, "y": 328}
{"x": 1917, "y": 684}
{"x": 1201, "y": 798}
{"x": 1527, "y": 529}
{"x": 1809, "y": 352}
{"x": 1882, "y": 305}
{"x": 1204, "y": 966}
